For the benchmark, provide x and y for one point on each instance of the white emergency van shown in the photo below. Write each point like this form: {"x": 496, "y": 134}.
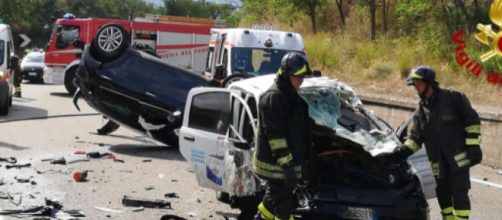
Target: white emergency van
{"x": 6, "y": 72}
{"x": 237, "y": 53}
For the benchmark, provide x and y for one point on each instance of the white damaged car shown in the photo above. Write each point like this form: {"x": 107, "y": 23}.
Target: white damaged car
{"x": 351, "y": 177}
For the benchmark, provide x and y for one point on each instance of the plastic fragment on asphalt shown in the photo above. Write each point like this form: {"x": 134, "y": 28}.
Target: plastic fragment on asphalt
{"x": 145, "y": 202}
{"x": 108, "y": 209}
{"x": 171, "y": 195}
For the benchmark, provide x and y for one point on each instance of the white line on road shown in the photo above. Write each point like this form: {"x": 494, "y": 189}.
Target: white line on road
{"x": 486, "y": 183}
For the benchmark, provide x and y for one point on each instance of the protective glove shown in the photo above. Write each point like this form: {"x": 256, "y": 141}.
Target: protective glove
{"x": 475, "y": 154}
{"x": 290, "y": 179}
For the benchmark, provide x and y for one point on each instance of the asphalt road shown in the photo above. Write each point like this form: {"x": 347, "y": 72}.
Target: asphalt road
{"x": 56, "y": 129}
{"x": 150, "y": 170}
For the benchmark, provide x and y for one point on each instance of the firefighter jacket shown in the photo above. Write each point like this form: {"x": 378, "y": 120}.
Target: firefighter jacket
{"x": 447, "y": 125}
{"x": 283, "y": 135}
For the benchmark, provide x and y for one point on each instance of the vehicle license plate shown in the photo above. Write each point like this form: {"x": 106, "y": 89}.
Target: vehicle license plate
{"x": 357, "y": 213}
{"x": 32, "y": 74}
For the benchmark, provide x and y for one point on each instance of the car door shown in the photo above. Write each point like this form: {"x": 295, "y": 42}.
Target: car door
{"x": 209, "y": 136}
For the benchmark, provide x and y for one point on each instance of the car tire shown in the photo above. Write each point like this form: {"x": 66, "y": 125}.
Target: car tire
{"x": 233, "y": 78}
{"x": 110, "y": 42}
{"x": 70, "y": 80}
{"x": 4, "y": 109}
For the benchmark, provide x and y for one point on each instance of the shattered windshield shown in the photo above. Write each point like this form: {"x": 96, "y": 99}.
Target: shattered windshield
{"x": 339, "y": 108}
{"x": 256, "y": 61}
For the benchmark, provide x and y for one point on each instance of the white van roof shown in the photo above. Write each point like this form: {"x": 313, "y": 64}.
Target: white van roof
{"x": 255, "y": 38}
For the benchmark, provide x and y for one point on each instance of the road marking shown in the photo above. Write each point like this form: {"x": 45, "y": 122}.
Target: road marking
{"x": 486, "y": 183}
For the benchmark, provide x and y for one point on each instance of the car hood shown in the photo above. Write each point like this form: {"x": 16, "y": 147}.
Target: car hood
{"x": 328, "y": 99}
{"x": 32, "y": 64}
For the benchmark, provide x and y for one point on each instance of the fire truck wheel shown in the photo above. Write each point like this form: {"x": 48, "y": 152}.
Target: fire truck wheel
{"x": 110, "y": 42}
{"x": 70, "y": 80}
{"x": 233, "y": 78}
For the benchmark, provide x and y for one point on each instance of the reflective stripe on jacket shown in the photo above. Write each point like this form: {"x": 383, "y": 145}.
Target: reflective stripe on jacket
{"x": 283, "y": 135}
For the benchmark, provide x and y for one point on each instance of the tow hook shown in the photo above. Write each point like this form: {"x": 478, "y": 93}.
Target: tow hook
{"x": 75, "y": 98}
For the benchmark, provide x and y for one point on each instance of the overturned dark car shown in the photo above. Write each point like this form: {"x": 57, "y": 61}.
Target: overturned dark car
{"x": 353, "y": 178}
{"x": 132, "y": 87}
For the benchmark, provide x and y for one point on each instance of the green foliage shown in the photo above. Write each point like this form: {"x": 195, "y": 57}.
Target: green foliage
{"x": 322, "y": 53}
{"x": 200, "y": 9}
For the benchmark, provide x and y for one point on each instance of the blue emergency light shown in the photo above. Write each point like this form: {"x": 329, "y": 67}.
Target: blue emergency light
{"x": 68, "y": 16}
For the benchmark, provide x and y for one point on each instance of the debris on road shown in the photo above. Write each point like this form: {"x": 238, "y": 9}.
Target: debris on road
{"x": 149, "y": 188}
{"x": 499, "y": 172}
{"x": 8, "y": 160}
{"x": 58, "y": 160}
{"x": 172, "y": 217}
{"x": 171, "y": 195}
{"x": 98, "y": 155}
{"x": 23, "y": 180}
{"x": 145, "y": 202}
{"x": 108, "y": 210}
{"x": 78, "y": 161}
{"x": 79, "y": 152}
{"x": 17, "y": 166}
{"x": 80, "y": 176}
{"x": 147, "y": 160}
{"x": 118, "y": 160}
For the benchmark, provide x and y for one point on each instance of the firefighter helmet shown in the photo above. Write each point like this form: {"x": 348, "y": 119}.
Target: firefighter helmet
{"x": 294, "y": 64}
{"x": 424, "y": 73}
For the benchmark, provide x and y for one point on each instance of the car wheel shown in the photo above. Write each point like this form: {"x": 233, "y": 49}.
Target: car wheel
{"x": 71, "y": 81}
{"x": 4, "y": 109}
{"x": 110, "y": 42}
{"x": 233, "y": 78}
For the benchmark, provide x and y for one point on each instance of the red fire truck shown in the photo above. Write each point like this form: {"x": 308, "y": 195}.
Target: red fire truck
{"x": 179, "y": 41}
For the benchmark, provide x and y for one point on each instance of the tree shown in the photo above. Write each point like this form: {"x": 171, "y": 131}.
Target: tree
{"x": 310, "y": 8}
{"x": 373, "y": 18}
{"x": 339, "y": 4}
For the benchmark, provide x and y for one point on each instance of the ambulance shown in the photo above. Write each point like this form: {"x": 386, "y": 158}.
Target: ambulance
{"x": 238, "y": 53}
{"x": 6, "y": 71}
{"x": 178, "y": 41}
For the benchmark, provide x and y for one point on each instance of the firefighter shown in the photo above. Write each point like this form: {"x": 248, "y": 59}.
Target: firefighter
{"x": 449, "y": 127}
{"x": 283, "y": 138}
{"x": 18, "y": 77}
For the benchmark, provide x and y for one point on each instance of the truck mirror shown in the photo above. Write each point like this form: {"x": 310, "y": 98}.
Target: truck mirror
{"x": 316, "y": 73}
{"x": 219, "y": 72}
{"x": 78, "y": 44}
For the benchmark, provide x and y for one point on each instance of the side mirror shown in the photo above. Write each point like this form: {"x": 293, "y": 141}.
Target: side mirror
{"x": 219, "y": 72}
{"x": 243, "y": 145}
{"x": 78, "y": 44}
{"x": 316, "y": 73}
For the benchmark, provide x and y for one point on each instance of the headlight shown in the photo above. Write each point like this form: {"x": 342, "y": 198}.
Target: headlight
{"x": 1, "y": 73}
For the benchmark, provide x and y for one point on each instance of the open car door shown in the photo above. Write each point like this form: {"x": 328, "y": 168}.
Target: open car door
{"x": 217, "y": 139}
